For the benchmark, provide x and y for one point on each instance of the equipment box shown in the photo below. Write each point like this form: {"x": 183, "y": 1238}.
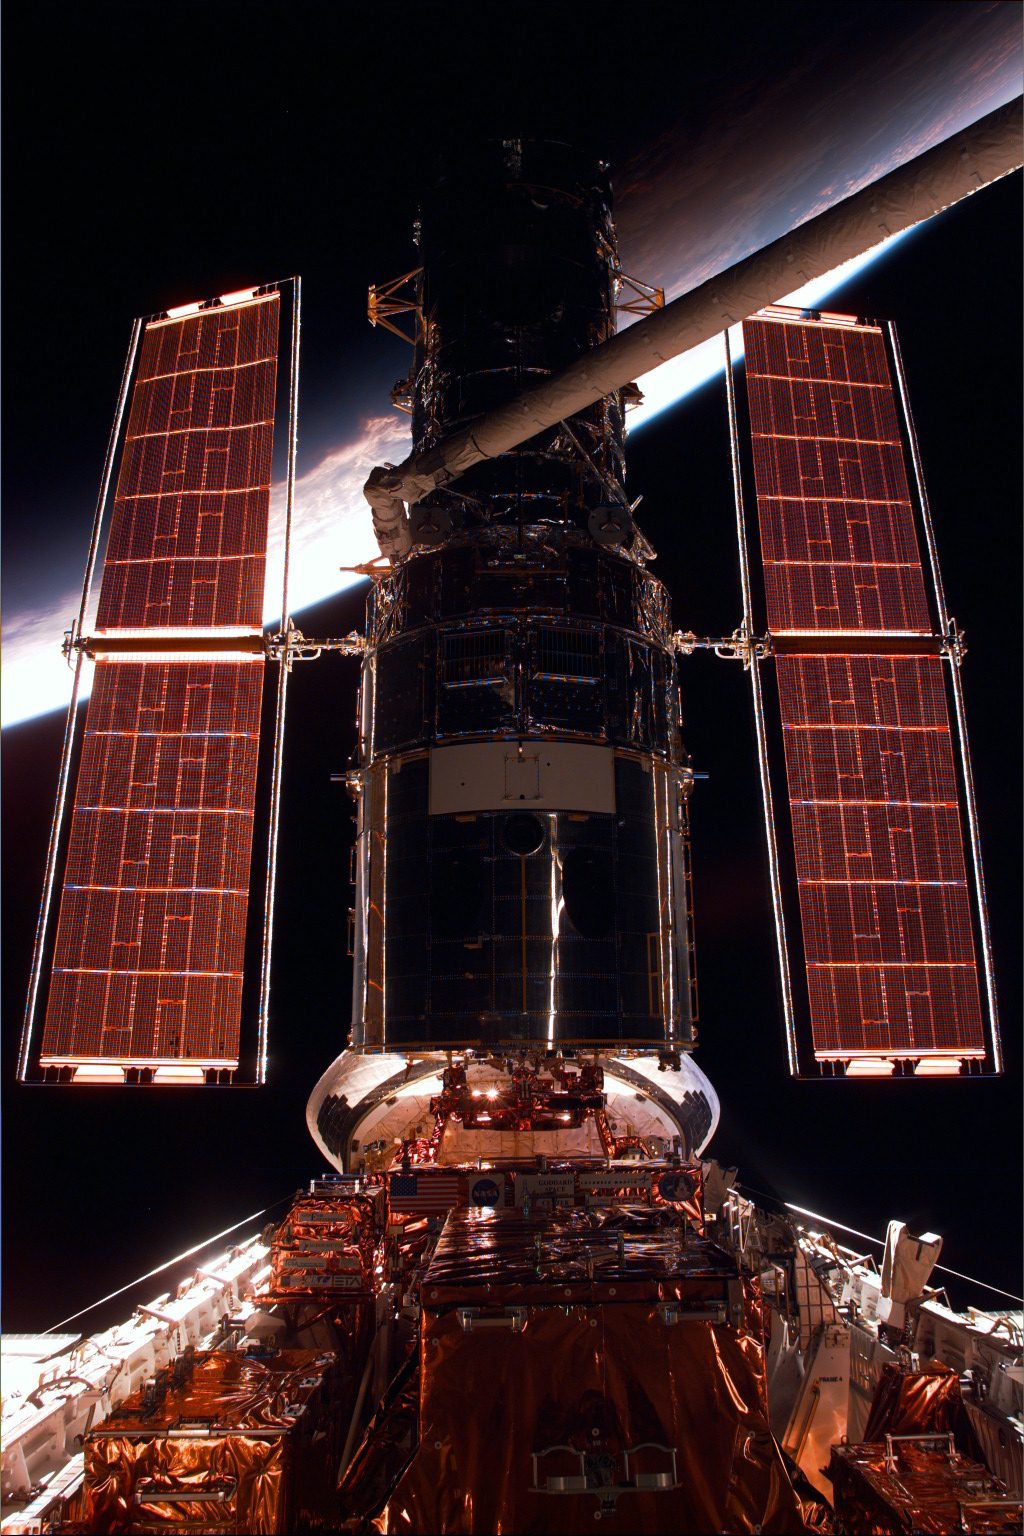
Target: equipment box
{"x": 589, "y": 1365}
{"x": 244, "y": 1444}
{"x": 329, "y": 1245}
{"x": 917, "y": 1483}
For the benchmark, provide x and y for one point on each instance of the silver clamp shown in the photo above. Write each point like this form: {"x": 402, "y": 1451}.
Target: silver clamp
{"x": 471, "y": 1320}
{"x": 588, "y": 1476}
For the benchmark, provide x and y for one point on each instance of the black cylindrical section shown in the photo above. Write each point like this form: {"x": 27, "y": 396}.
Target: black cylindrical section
{"x": 493, "y": 638}
{"x": 517, "y": 244}
{"x": 528, "y": 927}
{"x": 521, "y": 850}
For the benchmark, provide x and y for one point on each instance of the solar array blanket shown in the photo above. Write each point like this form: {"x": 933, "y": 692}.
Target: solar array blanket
{"x": 148, "y": 957}
{"x": 874, "y": 801}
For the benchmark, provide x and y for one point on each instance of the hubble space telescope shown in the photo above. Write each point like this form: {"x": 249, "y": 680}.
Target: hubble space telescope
{"x": 520, "y": 1218}
{"x": 522, "y": 910}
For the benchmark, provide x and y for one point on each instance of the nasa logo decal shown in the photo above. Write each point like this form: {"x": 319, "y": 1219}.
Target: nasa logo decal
{"x": 484, "y": 1192}
{"x": 674, "y": 1186}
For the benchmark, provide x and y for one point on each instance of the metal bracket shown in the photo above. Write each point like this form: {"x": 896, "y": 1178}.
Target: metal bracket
{"x": 954, "y": 646}
{"x": 670, "y": 1313}
{"x": 292, "y": 645}
{"x": 739, "y": 646}
{"x": 386, "y": 299}
{"x": 736, "y": 1303}
{"x": 942, "y": 1443}
{"x": 587, "y": 1479}
{"x": 470, "y": 1320}
{"x": 149, "y": 1491}
{"x": 651, "y": 1482}
{"x": 574, "y": 1483}
{"x": 642, "y": 298}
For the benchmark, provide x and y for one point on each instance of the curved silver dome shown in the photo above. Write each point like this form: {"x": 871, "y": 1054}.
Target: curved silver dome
{"x": 377, "y": 1100}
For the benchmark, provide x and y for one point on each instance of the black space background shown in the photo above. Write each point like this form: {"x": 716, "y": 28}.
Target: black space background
{"x": 153, "y": 154}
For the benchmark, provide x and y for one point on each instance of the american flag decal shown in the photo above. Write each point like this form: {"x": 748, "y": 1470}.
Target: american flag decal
{"x": 428, "y": 1192}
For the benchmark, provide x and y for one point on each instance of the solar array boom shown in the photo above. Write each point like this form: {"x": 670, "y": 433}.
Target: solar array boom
{"x": 757, "y": 700}
{"x": 147, "y": 959}
{"x": 284, "y": 672}
{"x": 947, "y": 627}
{"x": 67, "y": 748}
{"x": 892, "y": 979}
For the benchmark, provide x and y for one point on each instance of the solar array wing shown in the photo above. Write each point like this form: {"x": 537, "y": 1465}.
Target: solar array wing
{"x": 885, "y": 903}
{"x": 188, "y": 534}
{"x": 148, "y": 956}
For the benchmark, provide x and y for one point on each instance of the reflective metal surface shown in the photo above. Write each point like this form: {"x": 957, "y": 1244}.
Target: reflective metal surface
{"x": 234, "y": 1448}
{"x": 538, "y": 1325}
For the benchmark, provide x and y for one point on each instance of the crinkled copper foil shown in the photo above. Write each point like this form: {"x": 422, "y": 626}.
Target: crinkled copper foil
{"x": 127, "y": 1475}
{"x": 914, "y": 1402}
{"x": 918, "y": 1490}
{"x": 598, "y": 1364}
{"x": 642, "y": 1252}
{"x": 260, "y": 1433}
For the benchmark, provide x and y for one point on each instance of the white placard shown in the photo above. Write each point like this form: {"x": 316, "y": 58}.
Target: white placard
{"x": 544, "y": 1186}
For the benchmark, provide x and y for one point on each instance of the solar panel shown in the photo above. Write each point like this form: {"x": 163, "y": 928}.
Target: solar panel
{"x": 188, "y": 533}
{"x": 837, "y": 523}
{"x": 884, "y": 899}
{"x": 147, "y": 966}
